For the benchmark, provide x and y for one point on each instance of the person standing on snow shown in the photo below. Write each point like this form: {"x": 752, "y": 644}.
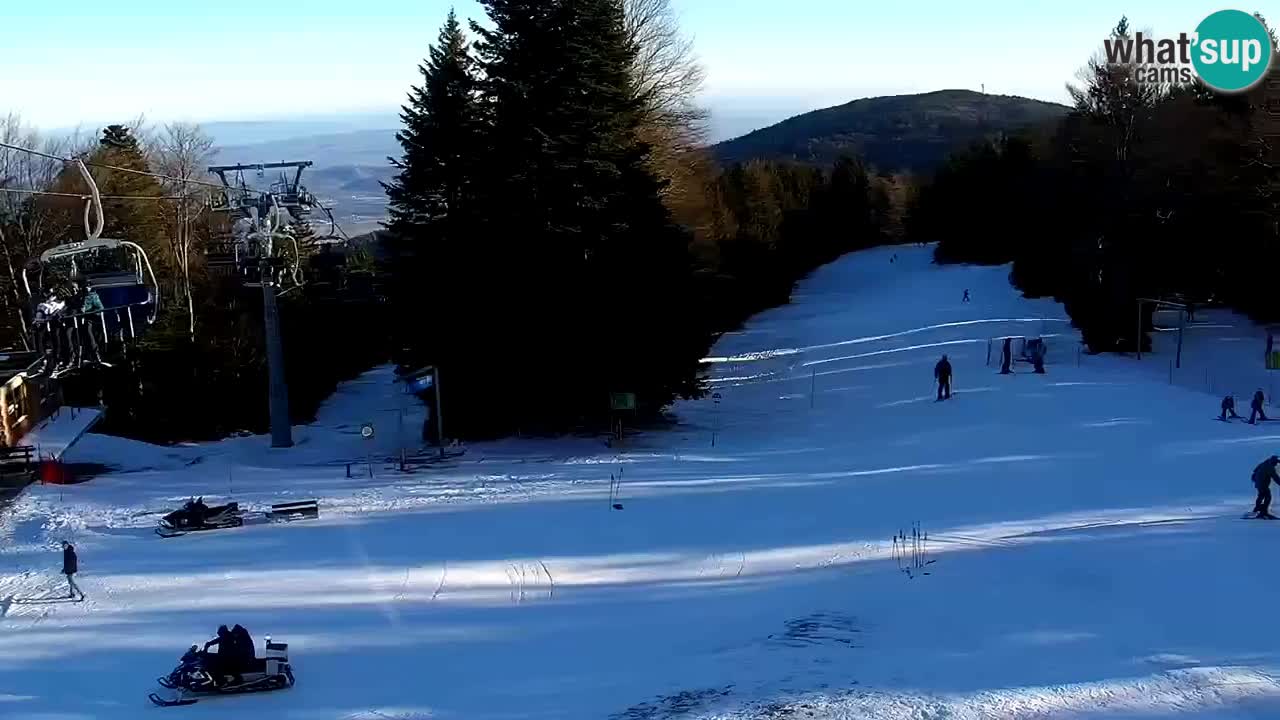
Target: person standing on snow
{"x": 1256, "y": 408}
{"x": 70, "y": 566}
{"x": 1006, "y": 357}
{"x": 966, "y": 296}
{"x": 1263, "y": 476}
{"x": 942, "y": 373}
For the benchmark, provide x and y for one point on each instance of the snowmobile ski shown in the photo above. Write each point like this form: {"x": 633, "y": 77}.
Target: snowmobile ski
{"x": 166, "y": 532}
{"x": 179, "y": 702}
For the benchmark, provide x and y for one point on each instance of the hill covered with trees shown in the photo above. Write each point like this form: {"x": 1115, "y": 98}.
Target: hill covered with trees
{"x": 912, "y": 133}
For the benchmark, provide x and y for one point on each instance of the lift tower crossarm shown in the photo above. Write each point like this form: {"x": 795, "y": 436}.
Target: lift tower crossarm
{"x": 222, "y": 170}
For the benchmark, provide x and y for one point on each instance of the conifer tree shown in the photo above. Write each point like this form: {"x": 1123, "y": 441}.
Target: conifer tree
{"x": 428, "y": 196}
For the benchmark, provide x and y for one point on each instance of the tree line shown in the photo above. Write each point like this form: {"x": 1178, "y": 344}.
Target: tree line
{"x": 558, "y": 232}
{"x": 1142, "y": 190}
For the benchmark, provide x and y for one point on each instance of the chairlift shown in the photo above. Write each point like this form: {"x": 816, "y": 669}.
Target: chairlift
{"x": 118, "y": 270}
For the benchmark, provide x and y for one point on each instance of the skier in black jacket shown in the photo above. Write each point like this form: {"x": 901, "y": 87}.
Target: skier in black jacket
{"x": 1263, "y": 476}
{"x": 1228, "y": 408}
{"x": 71, "y": 566}
{"x": 942, "y": 373}
{"x": 1256, "y": 408}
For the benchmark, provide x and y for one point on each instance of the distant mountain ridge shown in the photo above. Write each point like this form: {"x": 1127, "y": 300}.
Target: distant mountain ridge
{"x": 896, "y": 132}
{"x": 911, "y": 132}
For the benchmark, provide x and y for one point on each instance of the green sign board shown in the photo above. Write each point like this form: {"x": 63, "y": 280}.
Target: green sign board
{"x": 622, "y": 401}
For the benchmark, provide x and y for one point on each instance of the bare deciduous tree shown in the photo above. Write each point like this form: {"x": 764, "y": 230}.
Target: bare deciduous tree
{"x": 666, "y": 74}
{"x": 667, "y": 78}
{"x": 29, "y": 224}
{"x": 182, "y": 151}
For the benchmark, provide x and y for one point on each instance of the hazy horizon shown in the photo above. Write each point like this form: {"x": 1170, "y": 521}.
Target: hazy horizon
{"x": 215, "y": 63}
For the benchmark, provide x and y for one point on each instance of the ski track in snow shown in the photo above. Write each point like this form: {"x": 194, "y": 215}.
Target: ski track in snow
{"x": 1080, "y": 552}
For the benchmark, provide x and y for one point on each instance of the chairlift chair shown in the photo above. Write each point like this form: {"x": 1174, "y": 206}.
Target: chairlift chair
{"x": 118, "y": 270}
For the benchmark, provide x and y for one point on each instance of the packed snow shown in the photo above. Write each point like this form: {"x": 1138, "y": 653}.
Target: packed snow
{"x": 1085, "y": 557}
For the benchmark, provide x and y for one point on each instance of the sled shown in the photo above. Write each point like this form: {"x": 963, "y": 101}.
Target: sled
{"x": 300, "y": 510}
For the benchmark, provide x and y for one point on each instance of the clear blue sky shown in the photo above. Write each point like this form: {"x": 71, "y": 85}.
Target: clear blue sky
{"x": 74, "y": 61}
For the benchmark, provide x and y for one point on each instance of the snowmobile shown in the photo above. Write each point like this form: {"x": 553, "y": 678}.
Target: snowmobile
{"x": 195, "y": 516}
{"x": 198, "y": 675}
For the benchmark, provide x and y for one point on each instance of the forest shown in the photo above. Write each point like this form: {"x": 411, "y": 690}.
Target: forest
{"x": 559, "y": 231}
{"x": 1142, "y": 191}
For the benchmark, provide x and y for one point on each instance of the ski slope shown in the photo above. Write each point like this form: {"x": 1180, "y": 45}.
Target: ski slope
{"x": 1085, "y": 554}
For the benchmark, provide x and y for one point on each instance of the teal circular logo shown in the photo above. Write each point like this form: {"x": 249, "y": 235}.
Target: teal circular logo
{"x": 1232, "y": 51}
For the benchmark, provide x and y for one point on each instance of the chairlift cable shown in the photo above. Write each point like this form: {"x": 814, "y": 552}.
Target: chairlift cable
{"x": 86, "y": 196}
{"x": 104, "y": 166}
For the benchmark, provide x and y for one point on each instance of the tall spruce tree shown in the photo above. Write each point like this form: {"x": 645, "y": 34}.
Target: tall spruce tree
{"x": 430, "y": 202}
{"x": 428, "y": 196}
{"x": 583, "y": 242}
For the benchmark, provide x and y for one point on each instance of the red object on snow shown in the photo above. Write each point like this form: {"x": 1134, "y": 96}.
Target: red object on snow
{"x": 52, "y": 472}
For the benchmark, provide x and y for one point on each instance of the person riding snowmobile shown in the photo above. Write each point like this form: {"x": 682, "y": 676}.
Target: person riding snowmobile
{"x": 244, "y": 652}
{"x": 222, "y": 641}
{"x": 196, "y": 512}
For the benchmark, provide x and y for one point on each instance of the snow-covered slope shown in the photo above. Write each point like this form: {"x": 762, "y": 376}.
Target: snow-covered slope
{"x": 1085, "y": 553}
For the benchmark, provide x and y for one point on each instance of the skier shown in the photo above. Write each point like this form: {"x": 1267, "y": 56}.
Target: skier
{"x": 46, "y": 327}
{"x": 92, "y": 304}
{"x": 1006, "y": 357}
{"x": 70, "y": 566}
{"x": 1256, "y": 408}
{"x": 1037, "y": 349}
{"x": 1263, "y": 476}
{"x": 966, "y": 295}
{"x": 1228, "y": 407}
{"x": 942, "y": 373}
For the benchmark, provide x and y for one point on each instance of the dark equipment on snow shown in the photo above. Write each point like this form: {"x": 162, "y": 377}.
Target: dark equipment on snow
{"x": 300, "y": 510}
{"x": 195, "y": 516}
{"x": 201, "y": 673}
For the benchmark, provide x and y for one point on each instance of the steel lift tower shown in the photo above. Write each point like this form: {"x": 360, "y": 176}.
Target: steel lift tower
{"x": 261, "y": 228}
